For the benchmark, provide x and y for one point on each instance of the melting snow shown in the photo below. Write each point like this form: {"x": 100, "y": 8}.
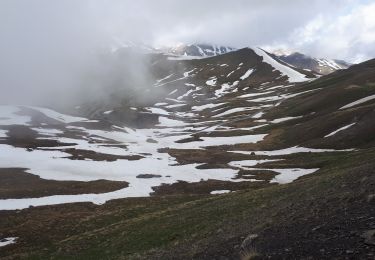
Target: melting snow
{"x": 340, "y": 129}
{"x": 58, "y": 116}
{"x": 3, "y": 133}
{"x": 290, "y": 175}
{"x": 219, "y": 192}
{"x": 279, "y": 120}
{"x": 294, "y": 76}
{"x": 360, "y": 101}
{"x": 234, "y": 110}
{"x": 8, "y": 116}
{"x": 254, "y": 94}
{"x": 7, "y": 241}
{"x": 167, "y": 122}
{"x": 244, "y": 164}
{"x": 224, "y": 88}
{"x": 211, "y": 81}
{"x": 186, "y": 74}
{"x": 203, "y": 107}
{"x": 247, "y": 74}
{"x": 258, "y": 115}
{"x": 161, "y": 104}
{"x": 186, "y": 94}
{"x": 167, "y": 77}
{"x": 175, "y": 105}
{"x": 47, "y": 131}
{"x": 53, "y": 165}
{"x": 329, "y": 63}
{"x": 218, "y": 141}
{"x": 156, "y": 110}
{"x": 291, "y": 150}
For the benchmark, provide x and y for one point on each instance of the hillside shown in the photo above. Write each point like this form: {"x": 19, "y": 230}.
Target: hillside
{"x": 228, "y": 154}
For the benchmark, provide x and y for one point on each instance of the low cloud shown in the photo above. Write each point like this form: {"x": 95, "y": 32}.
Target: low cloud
{"x": 49, "y": 48}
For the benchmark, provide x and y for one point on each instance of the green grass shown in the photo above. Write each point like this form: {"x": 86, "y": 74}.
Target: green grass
{"x": 160, "y": 226}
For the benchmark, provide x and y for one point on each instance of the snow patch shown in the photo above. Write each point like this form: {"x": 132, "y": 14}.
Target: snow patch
{"x": 219, "y": 192}
{"x": 224, "y": 89}
{"x": 294, "y": 76}
{"x": 340, "y": 129}
{"x": 7, "y": 241}
{"x": 211, "y": 81}
{"x": 247, "y": 74}
{"x": 360, "y": 101}
{"x": 291, "y": 150}
{"x": 283, "y": 119}
{"x": 203, "y": 107}
{"x": 234, "y": 110}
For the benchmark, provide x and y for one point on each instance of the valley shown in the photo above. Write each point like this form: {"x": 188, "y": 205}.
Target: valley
{"x": 228, "y": 154}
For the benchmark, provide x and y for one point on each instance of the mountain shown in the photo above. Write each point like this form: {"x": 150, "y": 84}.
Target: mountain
{"x": 198, "y": 50}
{"x": 319, "y": 66}
{"x": 298, "y": 60}
{"x": 222, "y": 157}
{"x": 119, "y": 45}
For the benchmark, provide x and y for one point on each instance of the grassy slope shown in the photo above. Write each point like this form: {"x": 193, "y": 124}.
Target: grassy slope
{"x": 309, "y": 217}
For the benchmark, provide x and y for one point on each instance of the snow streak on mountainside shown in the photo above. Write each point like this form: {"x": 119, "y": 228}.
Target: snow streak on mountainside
{"x": 293, "y": 75}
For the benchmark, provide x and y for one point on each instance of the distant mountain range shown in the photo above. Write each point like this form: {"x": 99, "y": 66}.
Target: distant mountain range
{"x": 202, "y": 50}
{"x": 321, "y": 66}
{"x": 316, "y": 65}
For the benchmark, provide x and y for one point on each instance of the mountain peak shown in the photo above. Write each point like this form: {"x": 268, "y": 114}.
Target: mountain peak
{"x": 284, "y": 52}
{"x": 198, "y": 49}
{"x": 320, "y": 66}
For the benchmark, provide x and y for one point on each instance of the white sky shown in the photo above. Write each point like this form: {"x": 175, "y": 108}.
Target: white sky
{"x": 47, "y": 48}
{"x": 343, "y": 29}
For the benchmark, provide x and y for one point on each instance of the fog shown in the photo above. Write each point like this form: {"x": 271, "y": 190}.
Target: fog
{"x": 60, "y": 51}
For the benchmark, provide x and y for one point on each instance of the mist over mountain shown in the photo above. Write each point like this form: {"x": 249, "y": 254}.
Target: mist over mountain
{"x": 187, "y": 129}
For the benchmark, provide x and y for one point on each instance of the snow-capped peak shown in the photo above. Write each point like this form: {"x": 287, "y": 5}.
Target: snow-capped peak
{"x": 284, "y": 52}
{"x": 199, "y": 50}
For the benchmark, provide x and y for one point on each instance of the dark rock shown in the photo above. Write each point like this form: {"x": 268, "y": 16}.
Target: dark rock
{"x": 249, "y": 240}
{"x": 369, "y": 237}
{"x": 371, "y": 198}
{"x": 148, "y": 176}
{"x": 150, "y": 140}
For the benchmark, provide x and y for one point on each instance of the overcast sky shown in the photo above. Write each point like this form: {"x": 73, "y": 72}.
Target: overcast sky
{"x": 325, "y": 28}
{"x": 47, "y": 46}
